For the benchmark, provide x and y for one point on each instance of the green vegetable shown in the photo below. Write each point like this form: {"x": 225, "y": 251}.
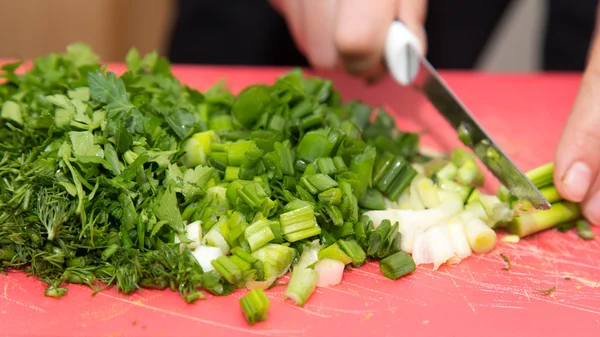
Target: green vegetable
{"x": 397, "y": 265}
{"x": 255, "y": 306}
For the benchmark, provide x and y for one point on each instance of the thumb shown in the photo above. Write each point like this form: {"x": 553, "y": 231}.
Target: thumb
{"x": 578, "y": 153}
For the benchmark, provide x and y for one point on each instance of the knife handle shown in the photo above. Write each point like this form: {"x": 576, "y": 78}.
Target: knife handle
{"x": 401, "y": 60}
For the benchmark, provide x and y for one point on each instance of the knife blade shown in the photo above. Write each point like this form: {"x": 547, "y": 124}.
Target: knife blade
{"x": 409, "y": 68}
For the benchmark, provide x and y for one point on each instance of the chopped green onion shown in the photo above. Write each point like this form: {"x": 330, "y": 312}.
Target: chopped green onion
{"x": 231, "y": 173}
{"x": 326, "y": 165}
{"x": 584, "y": 231}
{"x": 237, "y": 152}
{"x": 527, "y": 224}
{"x": 255, "y": 306}
{"x": 448, "y": 172}
{"x": 227, "y": 269}
{"x": 551, "y": 194}
{"x": 258, "y": 234}
{"x": 372, "y": 199}
{"x": 354, "y": 252}
{"x": 541, "y": 176}
{"x": 427, "y": 192}
{"x": 507, "y": 261}
{"x": 401, "y": 182}
{"x": 302, "y": 284}
{"x": 343, "y": 231}
{"x": 321, "y": 182}
{"x": 362, "y": 165}
{"x": 339, "y": 163}
{"x": 299, "y": 224}
{"x": 468, "y": 173}
{"x": 334, "y": 252}
{"x": 397, "y": 265}
{"x": 332, "y": 196}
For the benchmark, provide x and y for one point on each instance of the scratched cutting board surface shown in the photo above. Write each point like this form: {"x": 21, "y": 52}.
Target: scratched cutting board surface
{"x": 523, "y": 113}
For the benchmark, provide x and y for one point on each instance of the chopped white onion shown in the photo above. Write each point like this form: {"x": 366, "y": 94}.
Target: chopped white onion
{"x": 330, "y": 272}
{"x": 462, "y": 249}
{"x": 205, "y": 254}
{"x": 194, "y": 234}
{"x": 309, "y": 255}
{"x": 433, "y": 246}
{"x": 413, "y": 222}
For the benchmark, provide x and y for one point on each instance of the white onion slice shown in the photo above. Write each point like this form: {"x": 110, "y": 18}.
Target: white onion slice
{"x": 205, "y": 254}
{"x": 194, "y": 233}
{"x": 330, "y": 272}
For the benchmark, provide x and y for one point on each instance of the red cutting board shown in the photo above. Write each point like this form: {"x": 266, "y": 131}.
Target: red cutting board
{"x": 524, "y": 113}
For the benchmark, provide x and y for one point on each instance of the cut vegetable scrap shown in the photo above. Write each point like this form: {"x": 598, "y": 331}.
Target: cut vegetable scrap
{"x": 139, "y": 181}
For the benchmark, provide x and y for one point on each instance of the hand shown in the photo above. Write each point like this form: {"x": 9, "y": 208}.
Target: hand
{"x": 349, "y": 33}
{"x": 577, "y": 162}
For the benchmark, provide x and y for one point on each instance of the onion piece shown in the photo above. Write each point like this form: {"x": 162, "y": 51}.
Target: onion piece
{"x": 413, "y": 222}
{"x": 433, "y": 246}
{"x": 205, "y": 255}
{"x": 194, "y": 234}
{"x": 482, "y": 238}
{"x": 330, "y": 272}
{"x": 462, "y": 249}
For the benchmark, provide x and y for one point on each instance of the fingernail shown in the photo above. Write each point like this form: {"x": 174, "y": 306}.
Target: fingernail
{"x": 592, "y": 209}
{"x": 576, "y": 181}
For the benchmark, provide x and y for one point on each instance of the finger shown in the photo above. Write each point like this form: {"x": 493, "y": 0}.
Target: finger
{"x": 360, "y": 33}
{"x": 318, "y": 22}
{"x": 577, "y": 156}
{"x": 413, "y": 14}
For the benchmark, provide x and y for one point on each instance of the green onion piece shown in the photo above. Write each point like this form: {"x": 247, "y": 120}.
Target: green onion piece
{"x": 311, "y": 189}
{"x": 372, "y": 199}
{"x": 277, "y": 123}
{"x": 237, "y": 225}
{"x": 527, "y": 224}
{"x": 468, "y": 172}
{"x": 321, "y": 182}
{"x": 259, "y": 234}
{"x": 381, "y": 166}
{"x": 567, "y": 226}
{"x": 227, "y": 269}
{"x": 390, "y": 174}
{"x": 311, "y": 121}
{"x": 299, "y": 224}
{"x": 376, "y": 239}
{"x": 362, "y": 229}
{"x": 237, "y": 152}
{"x": 504, "y": 194}
{"x": 541, "y": 176}
{"x": 332, "y": 196}
{"x": 326, "y": 165}
{"x": 334, "y": 214}
{"x": 362, "y": 165}
{"x": 551, "y": 194}
{"x": 344, "y": 231}
{"x": 318, "y": 143}
{"x": 451, "y": 186}
{"x": 460, "y": 156}
{"x": 354, "y": 252}
{"x": 334, "y": 252}
{"x": 220, "y": 123}
{"x": 301, "y": 109}
{"x": 448, "y": 172}
{"x": 427, "y": 192}
{"x": 302, "y": 284}
{"x": 232, "y": 190}
{"x": 584, "y": 230}
{"x": 231, "y": 173}
{"x": 285, "y": 155}
{"x": 339, "y": 163}
{"x": 276, "y": 229}
{"x": 255, "y": 306}
{"x": 55, "y": 292}
{"x": 402, "y": 181}
{"x": 244, "y": 255}
{"x": 397, "y": 265}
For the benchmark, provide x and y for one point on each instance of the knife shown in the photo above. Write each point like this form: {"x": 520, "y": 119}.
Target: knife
{"x": 403, "y": 56}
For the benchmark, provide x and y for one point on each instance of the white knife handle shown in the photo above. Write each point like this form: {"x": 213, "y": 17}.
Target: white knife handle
{"x": 400, "y": 59}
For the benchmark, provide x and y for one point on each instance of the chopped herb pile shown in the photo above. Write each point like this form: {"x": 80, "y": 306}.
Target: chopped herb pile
{"x": 129, "y": 180}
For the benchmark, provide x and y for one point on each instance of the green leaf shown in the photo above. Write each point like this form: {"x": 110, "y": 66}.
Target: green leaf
{"x": 12, "y": 111}
{"x": 166, "y": 209}
{"x": 123, "y": 138}
{"x": 109, "y": 89}
{"x": 84, "y": 147}
{"x": 81, "y": 54}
